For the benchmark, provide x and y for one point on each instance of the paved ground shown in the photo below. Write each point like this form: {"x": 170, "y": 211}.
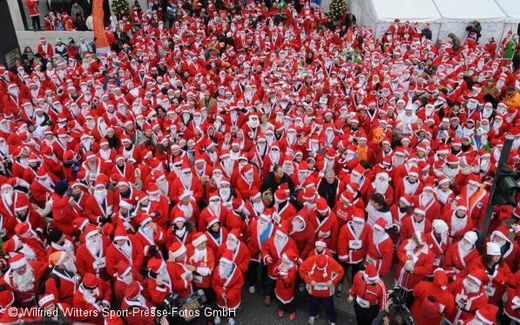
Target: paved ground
{"x": 254, "y": 312}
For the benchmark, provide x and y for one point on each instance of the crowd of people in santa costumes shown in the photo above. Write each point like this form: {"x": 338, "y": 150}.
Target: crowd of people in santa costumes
{"x": 250, "y": 149}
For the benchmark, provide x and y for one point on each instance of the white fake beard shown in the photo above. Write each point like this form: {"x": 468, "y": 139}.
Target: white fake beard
{"x": 215, "y": 208}
{"x": 186, "y": 179}
{"x": 231, "y": 245}
{"x": 224, "y": 193}
{"x": 70, "y": 266}
{"x": 224, "y": 269}
{"x": 8, "y": 198}
{"x": 187, "y": 210}
{"x": 380, "y": 187}
{"x": 163, "y": 186}
{"x": 425, "y": 199}
{"x": 24, "y": 282}
{"x": 100, "y": 195}
{"x": 279, "y": 242}
{"x": 274, "y": 156}
{"x": 94, "y": 247}
{"x": 126, "y": 249}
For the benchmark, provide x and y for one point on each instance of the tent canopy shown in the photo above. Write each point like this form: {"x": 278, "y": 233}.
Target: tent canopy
{"x": 469, "y": 10}
{"x": 406, "y": 10}
{"x": 511, "y": 8}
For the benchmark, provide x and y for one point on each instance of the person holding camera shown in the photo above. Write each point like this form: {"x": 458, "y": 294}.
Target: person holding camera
{"x": 368, "y": 293}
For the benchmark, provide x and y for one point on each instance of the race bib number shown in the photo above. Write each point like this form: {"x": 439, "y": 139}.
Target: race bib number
{"x": 354, "y": 244}
{"x": 100, "y": 263}
{"x": 321, "y": 286}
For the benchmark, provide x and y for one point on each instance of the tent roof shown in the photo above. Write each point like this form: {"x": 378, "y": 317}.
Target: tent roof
{"x": 406, "y": 10}
{"x": 511, "y": 8}
{"x": 468, "y": 10}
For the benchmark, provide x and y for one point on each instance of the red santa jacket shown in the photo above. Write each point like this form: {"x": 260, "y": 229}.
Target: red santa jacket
{"x": 466, "y": 303}
{"x": 92, "y": 310}
{"x": 255, "y": 240}
{"x": 380, "y": 254}
{"x": 373, "y": 293}
{"x": 202, "y": 264}
{"x": 241, "y": 255}
{"x": 420, "y": 257}
{"x": 114, "y": 255}
{"x": 310, "y": 273}
{"x": 181, "y": 278}
{"x": 455, "y": 260}
{"x": 285, "y": 282}
{"x": 62, "y": 284}
{"x": 326, "y": 230}
{"x": 304, "y": 238}
{"x": 87, "y": 263}
{"x": 228, "y": 289}
{"x": 424, "y": 311}
{"x": 353, "y": 246}
{"x": 139, "y": 313}
{"x": 269, "y": 250}
{"x": 409, "y": 226}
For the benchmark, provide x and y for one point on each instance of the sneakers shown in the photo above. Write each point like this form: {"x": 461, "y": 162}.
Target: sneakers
{"x": 231, "y": 321}
{"x": 311, "y": 320}
{"x": 216, "y": 320}
{"x": 252, "y": 289}
{"x": 267, "y": 301}
{"x": 292, "y": 316}
{"x": 280, "y": 313}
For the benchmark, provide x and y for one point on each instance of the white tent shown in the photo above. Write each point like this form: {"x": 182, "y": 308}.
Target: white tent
{"x": 379, "y": 14}
{"x": 456, "y": 14}
{"x": 512, "y": 10}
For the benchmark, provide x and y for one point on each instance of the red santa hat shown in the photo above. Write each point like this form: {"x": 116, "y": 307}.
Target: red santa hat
{"x": 23, "y": 229}
{"x": 90, "y": 231}
{"x": 479, "y": 276}
{"x": 347, "y": 196}
{"x": 281, "y": 195}
{"x": 17, "y": 261}
{"x": 320, "y": 243}
{"x": 155, "y": 264}
{"x": 198, "y": 238}
{"x": 419, "y": 210}
{"x": 452, "y": 159}
{"x": 227, "y": 257}
{"x": 177, "y": 249}
{"x": 371, "y": 273}
{"x": 321, "y": 262}
{"x": 414, "y": 171}
{"x": 90, "y": 281}
{"x": 143, "y": 219}
{"x": 322, "y": 206}
{"x": 120, "y": 232}
{"x": 487, "y": 314}
{"x": 126, "y": 204}
{"x": 212, "y": 221}
{"x": 80, "y": 223}
{"x": 152, "y": 189}
{"x": 474, "y": 180}
{"x": 407, "y": 199}
{"x": 443, "y": 180}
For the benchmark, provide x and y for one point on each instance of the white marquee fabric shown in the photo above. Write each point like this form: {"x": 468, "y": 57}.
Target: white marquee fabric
{"x": 456, "y": 14}
{"x": 511, "y": 8}
{"x": 444, "y": 16}
{"x": 379, "y": 14}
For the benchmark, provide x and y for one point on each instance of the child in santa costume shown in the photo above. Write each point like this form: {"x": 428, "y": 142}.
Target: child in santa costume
{"x": 286, "y": 272}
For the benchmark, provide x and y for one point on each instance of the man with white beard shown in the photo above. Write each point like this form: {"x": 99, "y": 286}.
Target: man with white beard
{"x": 91, "y": 255}
{"x": 99, "y": 207}
{"x": 22, "y": 278}
{"x": 460, "y": 254}
{"x": 63, "y": 279}
{"x": 381, "y": 184}
{"x": 185, "y": 181}
{"x": 124, "y": 248}
{"x": 227, "y": 282}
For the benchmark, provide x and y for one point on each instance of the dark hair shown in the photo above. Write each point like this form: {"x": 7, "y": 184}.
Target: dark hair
{"x": 378, "y": 198}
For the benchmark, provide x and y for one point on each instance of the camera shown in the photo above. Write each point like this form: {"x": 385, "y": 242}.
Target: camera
{"x": 183, "y": 309}
{"x": 398, "y": 306}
